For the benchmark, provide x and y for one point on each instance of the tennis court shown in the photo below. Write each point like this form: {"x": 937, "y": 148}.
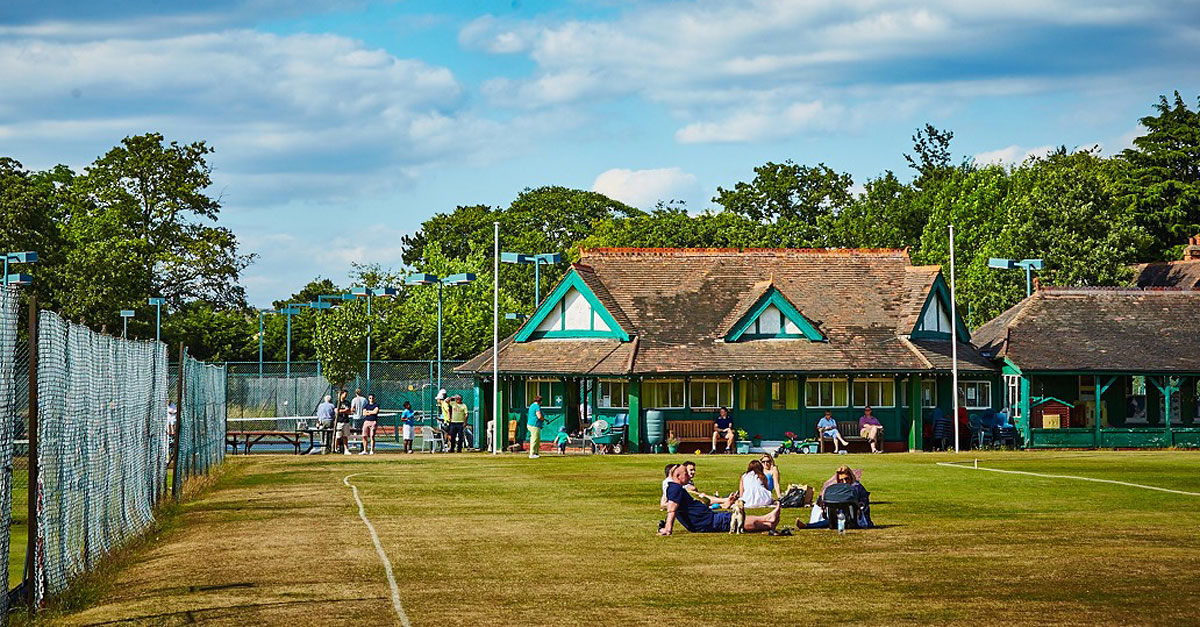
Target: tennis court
{"x": 476, "y": 539}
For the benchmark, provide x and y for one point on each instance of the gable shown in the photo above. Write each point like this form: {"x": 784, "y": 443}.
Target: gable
{"x": 773, "y": 316}
{"x": 934, "y": 320}
{"x": 571, "y": 311}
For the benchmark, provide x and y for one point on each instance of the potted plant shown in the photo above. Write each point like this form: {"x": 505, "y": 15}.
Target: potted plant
{"x": 743, "y": 445}
{"x": 672, "y": 443}
{"x": 756, "y": 441}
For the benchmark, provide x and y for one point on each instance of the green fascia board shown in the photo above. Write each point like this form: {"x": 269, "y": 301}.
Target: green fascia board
{"x": 571, "y": 280}
{"x": 773, "y": 297}
{"x": 940, "y": 287}
{"x": 1046, "y": 399}
{"x": 1115, "y": 373}
{"x": 1011, "y": 368}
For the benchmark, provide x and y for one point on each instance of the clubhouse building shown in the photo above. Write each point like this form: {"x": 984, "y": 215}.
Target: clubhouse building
{"x": 777, "y": 336}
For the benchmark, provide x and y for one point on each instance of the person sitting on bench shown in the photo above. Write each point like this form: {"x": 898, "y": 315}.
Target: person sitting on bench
{"x": 697, "y": 517}
{"x": 723, "y": 428}
{"x": 871, "y": 430}
{"x": 829, "y": 431}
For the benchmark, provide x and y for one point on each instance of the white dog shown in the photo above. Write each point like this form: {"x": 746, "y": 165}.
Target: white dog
{"x": 737, "y": 522}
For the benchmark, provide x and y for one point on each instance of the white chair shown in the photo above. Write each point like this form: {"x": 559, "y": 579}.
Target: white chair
{"x": 431, "y": 437}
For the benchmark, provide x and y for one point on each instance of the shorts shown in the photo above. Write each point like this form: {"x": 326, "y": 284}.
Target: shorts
{"x": 408, "y": 432}
{"x": 866, "y": 432}
{"x": 720, "y": 522}
{"x": 342, "y": 430}
{"x": 830, "y": 433}
{"x": 370, "y": 423}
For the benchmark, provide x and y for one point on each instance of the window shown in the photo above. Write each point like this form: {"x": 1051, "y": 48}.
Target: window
{"x": 975, "y": 394}
{"x": 937, "y": 316}
{"x": 1012, "y": 394}
{"x": 1135, "y": 400}
{"x": 785, "y": 393}
{"x": 825, "y": 393}
{"x": 754, "y": 394}
{"x": 547, "y": 388}
{"x": 613, "y": 393}
{"x": 710, "y": 393}
{"x": 874, "y": 392}
{"x": 664, "y": 394}
{"x": 928, "y": 393}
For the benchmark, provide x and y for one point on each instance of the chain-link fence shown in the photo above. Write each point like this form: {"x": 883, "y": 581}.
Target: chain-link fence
{"x": 265, "y": 397}
{"x": 201, "y": 420}
{"x": 8, "y": 394}
{"x": 101, "y": 446}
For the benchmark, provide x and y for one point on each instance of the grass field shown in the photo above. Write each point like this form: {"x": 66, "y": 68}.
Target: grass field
{"x": 478, "y": 540}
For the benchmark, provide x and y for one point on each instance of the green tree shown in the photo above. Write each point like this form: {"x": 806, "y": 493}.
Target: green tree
{"x": 887, "y": 214}
{"x": 340, "y": 340}
{"x": 213, "y": 334}
{"x": 31, "y": 215}
{"x": 1163, "y": 181}
{"x": 141, "y": 223}
{"x": 789, "y": 192}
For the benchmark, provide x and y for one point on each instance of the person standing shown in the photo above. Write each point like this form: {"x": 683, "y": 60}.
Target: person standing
{"x": 356, "y": 406}
{"x": 443, "y": 403}
{"x": 458, "y": 423}
{"x": 535, "y": 422}
{"x": 408, "y": 420}
{"x": 341, "y": 428}
{"x": 370, "y": 413}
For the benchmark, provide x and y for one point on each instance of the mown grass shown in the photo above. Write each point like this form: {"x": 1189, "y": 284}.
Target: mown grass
{"x": 481, "y": 540}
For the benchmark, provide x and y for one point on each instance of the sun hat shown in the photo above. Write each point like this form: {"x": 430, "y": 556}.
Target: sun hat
{"x": 442, "y": 394}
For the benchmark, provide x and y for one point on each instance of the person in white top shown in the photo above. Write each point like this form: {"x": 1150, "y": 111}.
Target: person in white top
{"x": 662, "y": 503}
{"x": 753, "y": 490}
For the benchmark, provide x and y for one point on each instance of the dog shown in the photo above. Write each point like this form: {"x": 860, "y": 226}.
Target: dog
{"x": 737, "y": 522}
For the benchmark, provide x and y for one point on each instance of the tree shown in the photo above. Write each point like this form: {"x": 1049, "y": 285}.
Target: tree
{"x": 932, "y": 148}
{"x": 140, "y": 224}
{"x": 340, "y": 339}
{"x": 789, "y": 192}
{"x": 887, "y": 214}
{"x": 31, "y": 214}
{"x": 213, "y": 334}
{"x": 1163, "y": 181}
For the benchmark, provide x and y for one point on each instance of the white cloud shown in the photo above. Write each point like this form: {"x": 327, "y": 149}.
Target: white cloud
{"x": 644, "y": 188}
{"x": 1011, "y": 155}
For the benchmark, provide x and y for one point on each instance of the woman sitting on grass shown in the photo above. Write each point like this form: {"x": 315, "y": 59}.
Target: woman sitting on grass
{"x": 753, "y": 488}
{"x": 771, "y": 470}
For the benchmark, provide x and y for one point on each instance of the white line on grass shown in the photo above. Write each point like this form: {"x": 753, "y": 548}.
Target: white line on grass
{"x": 387, "y": 564}
{"x": 1038, "y": 474}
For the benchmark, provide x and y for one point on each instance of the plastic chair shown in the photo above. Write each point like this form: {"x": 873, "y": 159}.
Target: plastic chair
{"x": 431, "y": 437}
{"x": 943, "y": 429}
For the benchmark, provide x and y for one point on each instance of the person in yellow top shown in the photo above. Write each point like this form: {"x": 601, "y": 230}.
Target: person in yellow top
{"x": 443, "y": 402}
{"x": 458, "y": 423}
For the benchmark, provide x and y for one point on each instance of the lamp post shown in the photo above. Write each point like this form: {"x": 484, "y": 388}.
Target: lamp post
{"x": 429, "y": 279}
{"x": 1012, "y": 264}
{"x": 158, "y": 303}
{"x": 371, "y": 293}
{"x": 126, "y": 314}
{"x": 537, "y": 261}
{"x": 260, "y": 338}
{"x": 291, "y": 310}
{"x": 18, "y": 278}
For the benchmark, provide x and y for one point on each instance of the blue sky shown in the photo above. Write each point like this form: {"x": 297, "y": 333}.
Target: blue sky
{"x": 339, "y": 125}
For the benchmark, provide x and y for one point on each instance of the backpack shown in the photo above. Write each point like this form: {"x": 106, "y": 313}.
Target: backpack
{"x": 840, "y": 493}
{"x": 797, "y": 496}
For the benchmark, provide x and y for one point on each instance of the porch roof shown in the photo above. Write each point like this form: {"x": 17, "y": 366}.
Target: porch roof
{"x": 1099, "y": 330}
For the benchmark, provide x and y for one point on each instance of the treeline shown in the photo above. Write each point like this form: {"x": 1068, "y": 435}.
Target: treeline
{"x": 1089, "y": 216}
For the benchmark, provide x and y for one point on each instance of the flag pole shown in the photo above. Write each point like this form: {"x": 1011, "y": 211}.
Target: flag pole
{"x": 953, "y": 340}
{"x": 496, "y": 343}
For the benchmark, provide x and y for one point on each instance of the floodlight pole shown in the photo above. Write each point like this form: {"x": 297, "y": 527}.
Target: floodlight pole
{"x": 953, "y": 340}
{"x": 158, "y": 303}
{"x": 496, "y": 343}
{"x": 126, "y": 314}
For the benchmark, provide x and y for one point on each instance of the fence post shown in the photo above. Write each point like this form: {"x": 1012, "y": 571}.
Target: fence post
{"x": 31, "y": 543}
{"x": 176, "y": 479}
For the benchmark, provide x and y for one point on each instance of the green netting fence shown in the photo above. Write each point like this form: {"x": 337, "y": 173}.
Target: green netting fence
{"x": 102, "y": 446}
{"x": 201, "y": 429}
{"x": 8, "y": 398}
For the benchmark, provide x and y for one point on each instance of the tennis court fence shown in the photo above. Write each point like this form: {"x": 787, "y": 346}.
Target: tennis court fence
{"x": 88, "y": 451}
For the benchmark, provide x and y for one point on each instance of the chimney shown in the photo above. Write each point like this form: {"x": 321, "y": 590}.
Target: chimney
{"x": 1191, "y": 252}
{"x": 1037, "y": 284}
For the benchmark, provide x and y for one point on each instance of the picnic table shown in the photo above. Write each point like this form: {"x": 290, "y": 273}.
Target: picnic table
{"x": 247, "y": 439}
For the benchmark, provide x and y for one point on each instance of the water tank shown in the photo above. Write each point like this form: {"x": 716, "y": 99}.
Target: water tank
{"x": 656, "y": 425}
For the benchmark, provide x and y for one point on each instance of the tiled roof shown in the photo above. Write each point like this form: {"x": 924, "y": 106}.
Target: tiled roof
{"x": 1183, "y": 274}
{"x": 1115, "y": 330}
{"x": 679, "y": 304}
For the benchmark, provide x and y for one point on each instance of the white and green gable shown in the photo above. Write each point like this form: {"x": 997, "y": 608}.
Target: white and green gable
{"x": 934, "y": 321}
{"x": 773, "y": 317}
{"x": 572, "y": 310}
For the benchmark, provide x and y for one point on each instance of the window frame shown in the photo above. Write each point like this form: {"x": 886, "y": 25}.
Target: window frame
{"x": 867, "y": 382}
{"x": 834, "y": 383}
{"x": 702, "y": 381}
{"x": 646, "y": 385}
{"x": 987, "y": 398}
{"x": 548, "y": 396}
{"x": 622, "y": 383}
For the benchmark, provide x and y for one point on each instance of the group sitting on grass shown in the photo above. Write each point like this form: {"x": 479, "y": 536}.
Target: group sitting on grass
{"x": 699, "y": 512}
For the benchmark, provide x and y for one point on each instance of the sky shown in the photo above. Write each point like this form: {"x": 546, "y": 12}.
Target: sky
{"x": 340, "y": 125}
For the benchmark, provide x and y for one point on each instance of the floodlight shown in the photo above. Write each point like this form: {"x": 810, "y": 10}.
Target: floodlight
{"x": 157, "y": 301}
{"x": 420, "y": 279}
{"x": 19, "y": 279}
{"x": 127, "y": 313}
{"x": 459, "y": 279}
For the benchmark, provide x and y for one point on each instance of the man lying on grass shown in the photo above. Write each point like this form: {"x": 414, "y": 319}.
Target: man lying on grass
{"x": 697, "y": 517}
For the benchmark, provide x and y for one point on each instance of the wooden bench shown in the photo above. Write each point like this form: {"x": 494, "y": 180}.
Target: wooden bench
{"x": 691, "y": 431}
{"x": 249, "y": 438}
{"x": 850, "y": 433}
